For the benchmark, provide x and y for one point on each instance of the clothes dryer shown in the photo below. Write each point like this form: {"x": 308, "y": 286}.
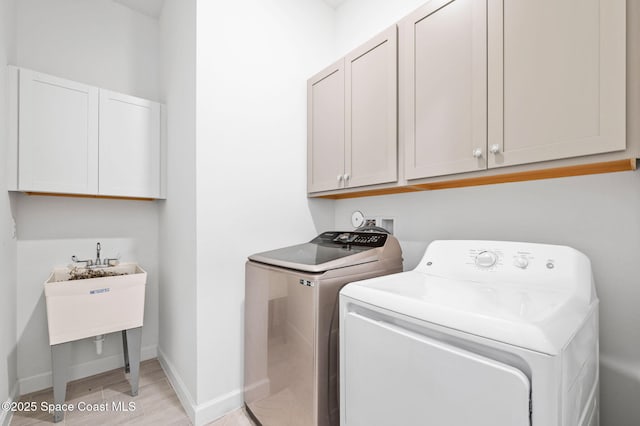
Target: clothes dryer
{"x": 482, "y": 333}
{"x": 291, "y": 323}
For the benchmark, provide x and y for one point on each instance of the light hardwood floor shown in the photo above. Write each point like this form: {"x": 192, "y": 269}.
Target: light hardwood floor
{"x": 156, "y": 403}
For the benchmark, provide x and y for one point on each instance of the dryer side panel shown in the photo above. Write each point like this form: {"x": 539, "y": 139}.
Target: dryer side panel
{"x": 396, "y": 376}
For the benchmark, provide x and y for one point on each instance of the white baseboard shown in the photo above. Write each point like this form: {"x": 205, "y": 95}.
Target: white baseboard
{"x": 218, "y": 407}
{"x": 178, "y": 385}
{"x": 45, "y": 380}
{"x": 204, "y": 413}
{"x": 5, "y": 415}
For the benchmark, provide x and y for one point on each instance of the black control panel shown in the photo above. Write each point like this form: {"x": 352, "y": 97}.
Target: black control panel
{"x": 363, "y": 239}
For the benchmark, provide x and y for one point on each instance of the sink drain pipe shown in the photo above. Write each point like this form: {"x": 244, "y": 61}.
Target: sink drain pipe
{"x": 98, "y": 340}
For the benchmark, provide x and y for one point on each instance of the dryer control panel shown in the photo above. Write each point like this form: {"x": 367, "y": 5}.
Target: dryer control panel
{"x": 528, "y": 264}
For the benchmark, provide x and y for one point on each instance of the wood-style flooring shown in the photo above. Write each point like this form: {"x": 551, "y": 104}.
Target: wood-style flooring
{"x": 109, "y": 394}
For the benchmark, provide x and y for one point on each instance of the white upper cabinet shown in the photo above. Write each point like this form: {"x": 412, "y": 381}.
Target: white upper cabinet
{"x": 129, "y": 153}
{"x": 77, "y": 139}
{"x": 352, "y": 118}
{"x": 556, "y": 79}
{"x": 443, "y": 63}
{"x": 58, "y": 131}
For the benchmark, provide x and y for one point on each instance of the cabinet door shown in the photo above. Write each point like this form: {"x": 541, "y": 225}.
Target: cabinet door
{"x": 444, "y": 88}
{"x": 557, "y": 79}
{"x": 129, "y": 146}
{"x": 58, "y": 135}
{"x": 325, "y": 129}
{"x": 371, "y": 141}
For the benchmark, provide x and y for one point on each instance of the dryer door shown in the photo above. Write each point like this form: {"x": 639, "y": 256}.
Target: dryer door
{"x": 393, "y": 376}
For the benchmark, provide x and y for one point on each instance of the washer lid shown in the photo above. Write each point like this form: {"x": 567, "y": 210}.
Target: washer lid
{"x": 539, "y": 319}
{"x": 329, "y": 250}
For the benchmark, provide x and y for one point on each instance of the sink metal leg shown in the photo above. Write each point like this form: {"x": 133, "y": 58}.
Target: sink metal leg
{"x": 60, "y": 370}
{"x": 125, "y": 351}
{"x": 133, "y": 344}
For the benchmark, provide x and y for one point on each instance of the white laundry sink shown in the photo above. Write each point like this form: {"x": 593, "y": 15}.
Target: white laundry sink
{"x": 77, "y": 309}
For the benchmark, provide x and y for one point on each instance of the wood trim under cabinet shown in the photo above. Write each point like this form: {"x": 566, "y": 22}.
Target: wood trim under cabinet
{"x": 556, "y": 172}
{"x": 108, "y": 197}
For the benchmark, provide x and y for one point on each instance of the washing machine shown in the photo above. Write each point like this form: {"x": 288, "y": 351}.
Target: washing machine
{"x": 291, "y": 323}
{"x": 482, "y": 333}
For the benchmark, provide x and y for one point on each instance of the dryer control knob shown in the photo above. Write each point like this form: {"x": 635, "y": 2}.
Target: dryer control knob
{"x": 521, "y": 262}
{"x": 486, "y": 259}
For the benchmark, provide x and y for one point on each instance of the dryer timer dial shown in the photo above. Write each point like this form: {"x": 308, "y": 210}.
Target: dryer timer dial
{"x": 486, "y": 259}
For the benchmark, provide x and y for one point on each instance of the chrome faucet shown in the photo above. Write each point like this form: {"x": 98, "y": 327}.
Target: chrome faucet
{"x": 97, "y": 263}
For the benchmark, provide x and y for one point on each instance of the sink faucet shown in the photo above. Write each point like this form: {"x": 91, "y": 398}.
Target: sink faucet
{"x": 97, "y": 263}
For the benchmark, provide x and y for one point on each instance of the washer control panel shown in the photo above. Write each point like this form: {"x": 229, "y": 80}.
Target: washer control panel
{"x": 364, "y": 239}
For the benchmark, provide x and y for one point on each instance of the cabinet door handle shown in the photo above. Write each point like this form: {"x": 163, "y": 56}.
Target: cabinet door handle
{"x": 347, "y": 177}
{"x": 340, "y": 177}
{"x": 477, "y": 153}
{"x": 494, "y": 149}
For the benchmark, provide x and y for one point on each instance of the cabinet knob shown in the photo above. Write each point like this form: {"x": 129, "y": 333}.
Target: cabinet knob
{"x": 340, "y": 177}
{"x": 347, "y": 177}
{"x": 477, "y": 153}
{"x": 494, "y": 149}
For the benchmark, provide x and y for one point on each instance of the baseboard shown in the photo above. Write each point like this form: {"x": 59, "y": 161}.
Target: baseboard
{"x": 204, "y": 413}
{"x": 178, "y": 385}
{"x": 6, "y": 415}
{"x": 45, "y": 380}
{"x": 218, "y": 407}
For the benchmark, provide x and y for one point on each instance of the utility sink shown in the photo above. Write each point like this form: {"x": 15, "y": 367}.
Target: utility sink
{"x": 81, "y": 308}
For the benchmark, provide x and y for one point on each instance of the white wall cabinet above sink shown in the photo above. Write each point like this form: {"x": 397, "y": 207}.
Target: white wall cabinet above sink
{"x": 129, "y": 153}
{"x": 71, "y": 138}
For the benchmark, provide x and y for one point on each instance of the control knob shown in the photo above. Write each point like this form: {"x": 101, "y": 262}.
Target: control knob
{"x": 521, "y": 262}
{"x": 486, "y": 259}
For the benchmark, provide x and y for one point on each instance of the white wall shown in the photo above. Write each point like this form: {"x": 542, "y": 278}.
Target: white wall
{"x": 105, "y": 44}
{"x": 598, "y": 215}
{"x": 253, "y": 60}
{"x": 8, "y": 349}
{"x": 177, "y": 341}
{"x": 50, "y": 231}
{"x": 359, "y": 20}
{"x": 97, "y": 42}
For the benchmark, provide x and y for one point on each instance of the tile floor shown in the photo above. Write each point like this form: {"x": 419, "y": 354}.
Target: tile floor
{"x": 156, "y": 403}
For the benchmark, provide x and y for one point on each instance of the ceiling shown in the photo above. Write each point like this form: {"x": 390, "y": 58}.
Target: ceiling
{"x": 152, "y": 8}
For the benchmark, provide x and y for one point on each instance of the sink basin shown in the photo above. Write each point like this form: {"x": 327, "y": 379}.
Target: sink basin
{"x": 89, "y": 307}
